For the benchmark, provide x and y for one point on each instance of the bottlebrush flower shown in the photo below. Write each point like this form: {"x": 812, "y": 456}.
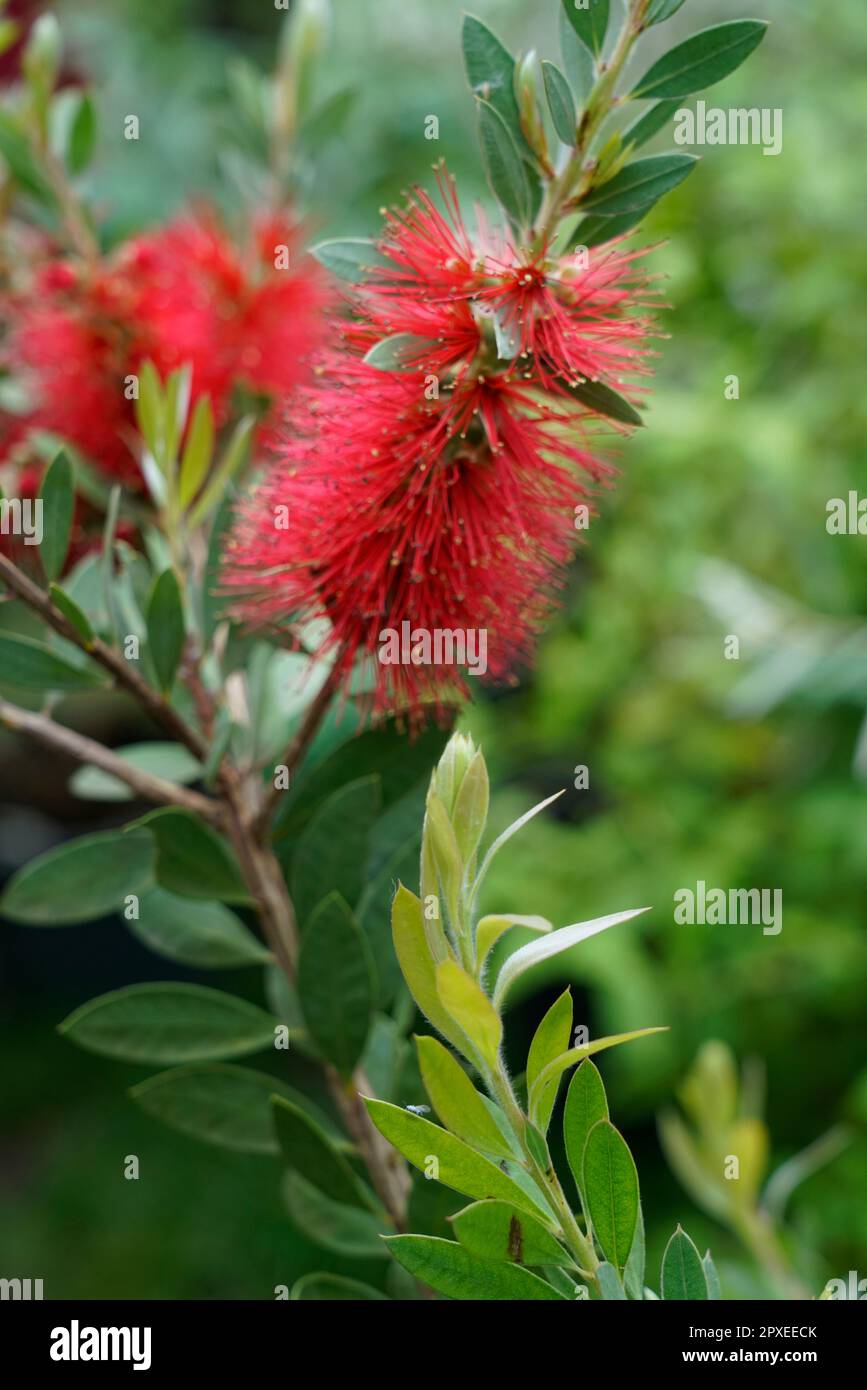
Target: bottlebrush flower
{"x": 442, "y": 495}
{"x": 182, "y": 294}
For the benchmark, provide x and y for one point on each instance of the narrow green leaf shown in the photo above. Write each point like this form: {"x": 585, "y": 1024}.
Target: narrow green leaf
{"x": 466, "y": 1002}
{"x": 346, "y": 1230}
{"x": 418, "y": 964}
{"x": 504, "y": 166}
{"x": 589, "y": 19}
{"x": 560, "y": 103}
{"x": 202, "y": 934}
{"x": 498, "y": 1231}
{"x": 198, "y": 452}
{"x": 660, "y": 10}
{"x": 577, "y": 1054}
{"x": 217, "y": 1102}
{"x": 327, "y": 122}
{"x": 441, "y": 1155}
{"x": 711, "y": 1278}
{"x": 604, "y": 400}
{"x": 586, "y": 1104}
{"x": 192, "y": 860}
{"x": 701, "y": 60}
{"x": 16, "y": 150}
{"x": 333, "y": 1287}
{"x": 577, "y": 58}
{"x": 150, "y": 408}
{"x": 331, "y": 852}
{"x": 336, "y": 983}
{"x": 683, "y": 1275}
{"x": 166, "y": 627}
{"x": 654, "y": 118}
{"x": 596, "y": 231}
{"x": 456, "y": 1101}
{"x": 82, "y": 135}
{"x": 633, "y": 1275}
{"x": 169, "y": 1023}
{"x": 611, "y": 1191}
{"x": 640, "y": 184}
{"x": 445, "y": 1266}
{"x": 374, "y": 915}
{"x": 490, "y": 929}
{"x": 402, "y": 352}
{"x": 350, "y": 258}
{"x": 553, "y": 945}
{"x": 470, "y": 812}
{"x": 309, "y": 1150}
{"x": 610, "y": 1286}
{"x": 491, "y": 73}
{"x": 80, "y": 881}
{"x": 29, "y": 665}
{"x": 168, "y": 760}
{"x": 233, "y": 460}
{"x": 57, "y": 495}
{"x": 71, "y": 612}
{"x": 551, "y": 1039}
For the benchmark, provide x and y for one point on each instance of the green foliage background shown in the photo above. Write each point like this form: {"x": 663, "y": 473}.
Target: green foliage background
{"x": 764, "y": 267}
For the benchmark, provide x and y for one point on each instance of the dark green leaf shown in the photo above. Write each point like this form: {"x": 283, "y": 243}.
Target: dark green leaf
{"x": 660, "y": 10}
{"x": 71, "y": 612}
{"x": 596, "y": 231}
{"x": 336, "y": 983}
{"x": 491, "y": 73}
{"x": 80, "y": 881}
{"x": 346, "y": 1230}
{"x": 702, "y": 60}
{"x": 168, "y": 760}
{"x": 604, "y": 400}
{"x": 16, "y": 150}
{"x": 309, "y": 1150}
{"x": 29, "y": 665}
{"x": 82, "y": 135}
{"x": 445, "y": 1266}
{"x": 374, "y": 914}
{"x": 192, "y": 860}
{"x": 552, "y": 1037}
{"x": 203, "y": 934}
{"x": 498, "y": 1231}
{"x": 577, "y": 58}
{"x": 683, "y": 1275}
{"x": 331, "y": 852}
{"x": 333, "y": 1287}
{"x": 654, "y": 118}
{"x": 170, "y": 1023}
{"x": 57, "y": 495}
{"x": 611, "y": 1191}
{"x": 505, "y": 168}
{"x": 218, "y": 1103}
{"x": 589, "y": 19}
{"x": 560, "y": 103}
{"x": 640, "y": 184}
{"x": 166, "y": 627}
{"x": 586, "y": 1105}
{"x": 328, "y": 120}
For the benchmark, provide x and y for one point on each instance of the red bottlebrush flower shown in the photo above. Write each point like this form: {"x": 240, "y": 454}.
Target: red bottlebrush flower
{"x": 439, "y": 498}
{"x": 183, "y": 294}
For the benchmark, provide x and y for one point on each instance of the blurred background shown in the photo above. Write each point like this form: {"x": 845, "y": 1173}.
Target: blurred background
{"x": 747, "y": 773}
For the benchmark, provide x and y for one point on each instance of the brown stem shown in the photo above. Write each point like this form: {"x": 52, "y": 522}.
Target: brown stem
{"x": 387, "y": 1170}
{"x": 87, "y": 750}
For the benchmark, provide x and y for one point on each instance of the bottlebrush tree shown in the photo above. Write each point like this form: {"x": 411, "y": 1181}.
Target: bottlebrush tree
{"x": 255, "y": 471}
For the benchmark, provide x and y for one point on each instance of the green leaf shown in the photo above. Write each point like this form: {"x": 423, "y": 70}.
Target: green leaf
{"x": 16, "y": 150}
{"x": 325, "y": 1287}
{"x": 71, "y": 612}
{"x": 470, "y": 811}
{"x": 233, "y": 460}
{"x": 445, "y": 1266}
{"x": 218, "y": 1103}
{"x": 350, "y": 258}
{"x": 466, "y": 1002}
{"x": 346, "y": 1230}
{"x": 654, "y": 118}
{"x": 610, "y": 1286}
{"x": 80, "y": 881}
{"x": 456, "y": 1101}
{"x": 633, "y": 1275}
{"x": 459, "y": 1166}
{"x": 586, "y": 1104}
{"x": 28, "y": 665}
{"x": 714, "y": 1292}
{"x": 498, "y": 1231}
{"x": 552, "y": 945}
{"x": 203, "y": 934}
{"x": 198, "y": 452}
{"x": 192, "y": 860}
{"x": 596, "y": 231}
{"x": 57, "y": 495}
{"x": 374, "y": 915}
{"x": 560, "y": 103}
{"x": 701, "y": 60}
{"x": 604, "y": 400}
{"x": 589, "y": 19}
{"x": 577, "y": 1054}
{"x": 504, "y": 166}
{"x": 490, "y": 929}
{"x": 660, "y": 10}
{"x": 328, "y": 120}
{"x": 418, "y": 964}
{"x": 166, "y": 627}
{"x": 336, "y": 982}
{"x": 552, "y": 1037}
{"x": 402, "y": 352}
{"x": 577, "y": 58}
{"x": 504, "y": 838}
{"x": 169, "y": 1023}
{"x": 331, "y": 852}
{"x": 82, "y": 135}
{"x": 611, "y": 1191}
{"x": 640, "y": 184}
{"x": 683, "y": 1275}
{"x": 309, "y": 1150}
{"x": 168, "y": 760}
{"x": 491, "y": 73}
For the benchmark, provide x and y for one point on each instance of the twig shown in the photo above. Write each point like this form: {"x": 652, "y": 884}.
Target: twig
{"x": 87, "y": 750}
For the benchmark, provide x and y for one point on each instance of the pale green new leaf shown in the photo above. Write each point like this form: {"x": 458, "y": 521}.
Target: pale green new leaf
{"x": 551, "y": 1040}
{"x": 456, "y": 1101}
{"x": 554, "y": 1070}
{"x": 490, "y": 929}
{"x": 507, "y": 834}
{"x": 466, "y": 1002}
{"x": 418, "y": 964}
{"x": 495, "y": 1230}
{"x": 561, "y": 940}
